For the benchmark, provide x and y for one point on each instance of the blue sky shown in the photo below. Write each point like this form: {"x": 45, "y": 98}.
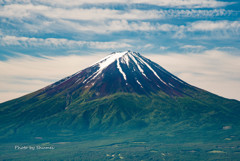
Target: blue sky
{"x": 195, "y": 40}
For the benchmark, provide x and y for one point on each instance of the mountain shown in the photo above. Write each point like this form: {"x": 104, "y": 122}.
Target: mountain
{"x": 124, "y": 93}
{"x": 127, "y": 72}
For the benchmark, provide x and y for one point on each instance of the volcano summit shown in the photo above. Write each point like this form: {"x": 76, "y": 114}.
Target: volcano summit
{"x": 127, "y": 72}
{"x": 124, "y": 93}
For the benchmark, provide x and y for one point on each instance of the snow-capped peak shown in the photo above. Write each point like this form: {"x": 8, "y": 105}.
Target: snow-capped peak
{"x": 128, "y": 64}
{"x": 125, "y": 58}
{"x": 105, "y": 62}
{"x": 110, "y": 59}
{"x": 126, "y": 71}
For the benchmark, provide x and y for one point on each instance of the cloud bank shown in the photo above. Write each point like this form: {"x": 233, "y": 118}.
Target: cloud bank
{"x": 24, "y": 11}
{"x": 54, "y": 42}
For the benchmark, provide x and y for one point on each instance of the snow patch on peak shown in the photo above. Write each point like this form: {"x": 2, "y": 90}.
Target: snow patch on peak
{"x": 151, "y": 69}
{"x": 126, "y": 59}
{"x": 104, "y": 63}
{"x": 139, "y": 83}
{"x": 110, "y": 59}
{"x": 171, "y": 85}
{"x": 177, "y": 79}
{"x": 138, "y": 66}
{"x": 120, "y": 69}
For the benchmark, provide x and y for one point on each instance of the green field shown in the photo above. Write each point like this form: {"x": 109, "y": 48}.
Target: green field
{"x": 122, "y": 149}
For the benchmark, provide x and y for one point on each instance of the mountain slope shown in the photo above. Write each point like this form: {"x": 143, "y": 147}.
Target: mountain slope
{"x": 122, "y": 92}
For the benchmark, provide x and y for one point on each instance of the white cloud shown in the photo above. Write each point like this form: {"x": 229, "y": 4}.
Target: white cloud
{"x": 53, "y": 42}
{"x": 164, "y": 3}
{"x": 148, "y": 46}
{"x": 180, "y": 31}
{"x": 208, "y": 29}
{"x": 118, "y": 26}
{"x": 96, "y": 14}
{"x": 99, "y": 27}
{"x": 226, "y": 48}
{"x": 213, "y": 30}
{"x": 185, "y": 3}
{"x": 163, "y": 48}
{"x": 212, "y": 70}
{"x": 214, "y": 25}
{"x": 199, "y": 13}
{"x": 192, "y": 47}
{"x": 39, "y": 18}
{"x": 30, "y": 10}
